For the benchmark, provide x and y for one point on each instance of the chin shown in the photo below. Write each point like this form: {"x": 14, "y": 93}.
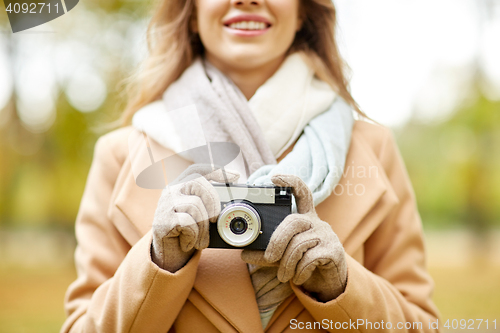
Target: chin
{"x": 249, "y": 58}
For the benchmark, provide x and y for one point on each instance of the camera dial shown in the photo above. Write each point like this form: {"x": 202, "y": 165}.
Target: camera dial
{"x": 239, "y": 224}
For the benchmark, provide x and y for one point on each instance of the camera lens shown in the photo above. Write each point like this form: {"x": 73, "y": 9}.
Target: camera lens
{"x": 238, "y": 225}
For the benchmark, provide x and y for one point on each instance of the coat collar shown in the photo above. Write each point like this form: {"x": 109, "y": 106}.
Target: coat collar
{"x": 364, "y": 186}
{"x": 222, "y": 278}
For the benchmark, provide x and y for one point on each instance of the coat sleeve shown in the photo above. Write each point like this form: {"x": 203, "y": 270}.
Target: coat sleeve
{"x": 118, "y": 288}
{"x": 394, "y": 287}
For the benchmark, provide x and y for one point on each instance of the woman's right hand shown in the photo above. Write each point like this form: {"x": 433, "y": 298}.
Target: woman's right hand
{"x": 183, "y": 214}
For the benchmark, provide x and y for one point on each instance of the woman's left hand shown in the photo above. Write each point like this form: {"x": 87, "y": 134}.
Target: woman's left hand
{"x": 306, "y": 249}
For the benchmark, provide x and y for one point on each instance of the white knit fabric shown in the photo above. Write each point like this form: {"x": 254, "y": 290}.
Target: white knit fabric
{"x": 282, "y": 107}
{"x": 287, "y": 101}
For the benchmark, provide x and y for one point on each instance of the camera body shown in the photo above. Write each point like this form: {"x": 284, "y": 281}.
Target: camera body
{"x": 249, "y": 215}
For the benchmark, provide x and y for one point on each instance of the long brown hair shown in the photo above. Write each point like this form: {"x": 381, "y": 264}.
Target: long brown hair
{"x": 173, "y": 46}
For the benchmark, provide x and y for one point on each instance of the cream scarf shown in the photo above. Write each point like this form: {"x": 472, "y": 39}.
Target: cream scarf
{"x": 287, "y": 101}
{"x": 194, "y": 111}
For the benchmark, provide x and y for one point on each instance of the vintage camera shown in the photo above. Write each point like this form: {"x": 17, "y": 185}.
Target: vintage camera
{"x": 249, "y": 215}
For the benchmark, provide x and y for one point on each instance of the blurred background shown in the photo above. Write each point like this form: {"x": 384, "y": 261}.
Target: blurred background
{"x": 429, "y": 69}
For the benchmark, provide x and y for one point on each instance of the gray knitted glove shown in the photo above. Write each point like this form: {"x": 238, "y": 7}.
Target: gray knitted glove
{"x": 181, "y": 222}
{"x": 307, "y": 250}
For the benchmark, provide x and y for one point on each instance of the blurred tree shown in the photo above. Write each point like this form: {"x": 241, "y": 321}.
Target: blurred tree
{"x": 455, "y": 166}
{"x": 43, "y": 172}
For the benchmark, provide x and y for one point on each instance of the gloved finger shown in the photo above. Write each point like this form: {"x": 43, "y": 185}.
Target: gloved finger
{"x": 215, "y": 173}
{"x": 255, "y": 257}
{"x": 274, "y": 286}
{"x": 198, "y": 170}
{"x": 270, "y": 282}
{"x": 318, "y": 257}
{"x": 298, "y": 246}
{"x": 194, "y": 207}
{"x": 203, "y": 239}
{"x": 274, "y": 296}
{"x": 200, "y": 187}
{"x": 186, "y": 229}
{"x": 221, "y": 175}
{"x": 302, "y": 193}
{"x": 292, "y": 225}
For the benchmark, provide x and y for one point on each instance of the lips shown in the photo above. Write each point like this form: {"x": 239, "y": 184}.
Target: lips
{"x": 246, "y": 17}
{"x": 247, "y": 22}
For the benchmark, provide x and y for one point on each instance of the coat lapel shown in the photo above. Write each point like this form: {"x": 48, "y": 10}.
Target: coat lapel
{"x": 138, "y": 205}
{"x": 362, "y": 198}
{"x": 224, "y": 282}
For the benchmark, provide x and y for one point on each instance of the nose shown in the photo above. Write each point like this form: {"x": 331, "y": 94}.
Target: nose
{"x": 246, "y": 3}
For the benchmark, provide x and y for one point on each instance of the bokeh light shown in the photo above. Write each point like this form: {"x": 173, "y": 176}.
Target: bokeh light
{"x": 86, "y": 90}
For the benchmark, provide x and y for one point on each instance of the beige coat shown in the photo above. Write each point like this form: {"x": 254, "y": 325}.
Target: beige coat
{"x": 373, "y": 212}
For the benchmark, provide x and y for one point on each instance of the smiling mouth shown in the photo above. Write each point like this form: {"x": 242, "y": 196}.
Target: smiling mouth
{"x": 248, "y": 25}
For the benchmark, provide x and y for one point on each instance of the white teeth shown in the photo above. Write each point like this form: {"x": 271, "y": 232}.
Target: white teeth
{"x": 248, "y": 25}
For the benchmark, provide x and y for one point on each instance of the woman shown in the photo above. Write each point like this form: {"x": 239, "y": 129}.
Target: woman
{"x": 265, "y": 75}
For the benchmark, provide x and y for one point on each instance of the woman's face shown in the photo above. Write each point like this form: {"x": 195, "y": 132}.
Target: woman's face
{"x": 246, "y": 34}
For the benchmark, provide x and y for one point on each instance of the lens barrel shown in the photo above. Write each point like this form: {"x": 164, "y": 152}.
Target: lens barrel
{"x": 239, "y": 224}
